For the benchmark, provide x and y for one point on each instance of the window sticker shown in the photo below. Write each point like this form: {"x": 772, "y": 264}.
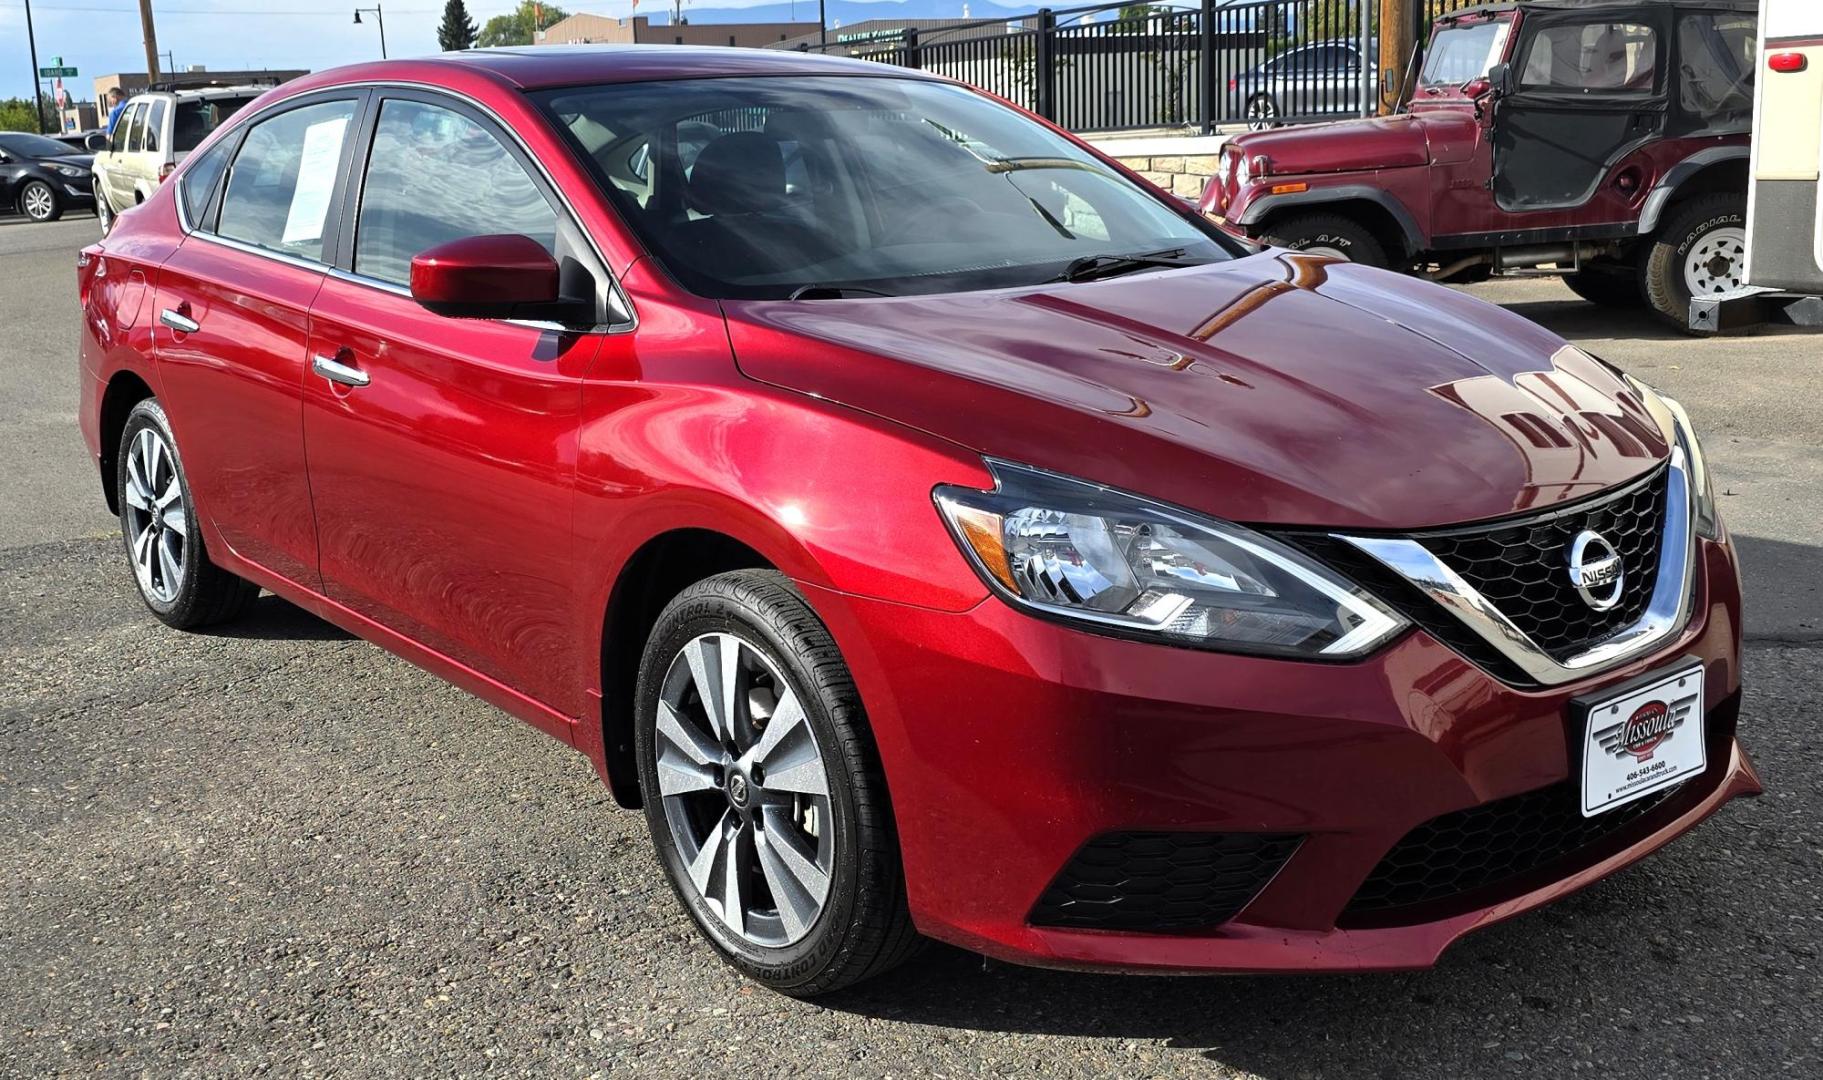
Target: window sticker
{"x": 316, "y": 180}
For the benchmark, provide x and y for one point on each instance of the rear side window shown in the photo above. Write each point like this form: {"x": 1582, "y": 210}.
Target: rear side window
{"x": 1718, "y": 57}
{"x": 434, "y": 176}
{"x": 280, "y": 185}
{"x": 155, "y": 125}
{"x": 198, "y": 183}
{"x": 1612, "y": 57}
{"x": 197, "y": 117}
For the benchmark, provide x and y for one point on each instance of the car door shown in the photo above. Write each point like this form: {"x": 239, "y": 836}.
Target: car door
{"x": 443, "y": 451}
{"x": 1588, "y": 89}
{"x": 233, "y": 307}
{"x": 116, "y": 180}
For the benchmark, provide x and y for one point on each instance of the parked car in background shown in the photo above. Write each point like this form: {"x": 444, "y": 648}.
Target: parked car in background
{"x": 877, "y": 531}
{"x": 156, "y": 132}
{"x": 78, "y": 141}
{"x": 1316, "y": 80}
{"x": 41, "y": 177}
{"x": 1603, "y": 140}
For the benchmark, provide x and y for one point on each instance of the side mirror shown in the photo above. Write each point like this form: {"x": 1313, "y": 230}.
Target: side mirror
{"x": 1500, "y": 79}
{"x": 1478, "y": 88}
{"x": 96, "y": 142}
{"x": 500, "y": 276}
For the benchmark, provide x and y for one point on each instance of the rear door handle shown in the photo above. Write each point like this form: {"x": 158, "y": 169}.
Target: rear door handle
{"x": 178, "y": 319}
{"x": 337, "y": 372}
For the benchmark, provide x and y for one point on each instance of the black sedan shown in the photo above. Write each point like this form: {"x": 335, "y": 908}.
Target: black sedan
{"x": 41, "y": 177}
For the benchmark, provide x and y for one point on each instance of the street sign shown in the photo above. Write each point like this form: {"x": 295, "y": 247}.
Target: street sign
{"x": 56, "y": 73}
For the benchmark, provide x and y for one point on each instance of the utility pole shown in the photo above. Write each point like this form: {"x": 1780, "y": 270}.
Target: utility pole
{"x": 145, "y": 23}
{"x": 37, "y": 91}
{"x": 1398, "y": 37}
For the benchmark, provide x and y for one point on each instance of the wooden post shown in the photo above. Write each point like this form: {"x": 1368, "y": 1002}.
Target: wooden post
{"x": 145, "y": 22}
{"x": 1398, "y": 36}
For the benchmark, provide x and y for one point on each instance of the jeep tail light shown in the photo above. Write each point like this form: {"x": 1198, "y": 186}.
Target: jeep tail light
{"x": 1788, "y": 63}
{"x": 165, "y": 170}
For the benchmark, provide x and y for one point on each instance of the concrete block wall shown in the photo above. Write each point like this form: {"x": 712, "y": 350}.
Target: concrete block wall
{"x": 1181, "y": 164}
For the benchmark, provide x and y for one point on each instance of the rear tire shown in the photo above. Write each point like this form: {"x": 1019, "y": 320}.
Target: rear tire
{"x": 1608, "y": 288}
{"x": 1701, "y": 248}
{"x": 1262, "y": 113}
{"x": 164, "y": 539}
{"x": 1328, "y": 234}
{"x": 819, "y": 902}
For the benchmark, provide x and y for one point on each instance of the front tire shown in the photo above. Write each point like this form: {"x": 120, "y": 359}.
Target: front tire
{"x": 158, "y": 521}
{"x": 1700, "y": 251}
{"x": 39, "y": 201}
{"x": 104, "y": 213}
{"x": 763, "y": 791}
{"x": 1327, "y": 234}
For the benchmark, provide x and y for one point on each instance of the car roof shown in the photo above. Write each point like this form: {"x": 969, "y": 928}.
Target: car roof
{"x": 1631, "y": 5}
{"x": 535, "y": 67}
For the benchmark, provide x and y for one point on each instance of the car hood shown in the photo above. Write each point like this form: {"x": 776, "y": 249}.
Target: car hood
{"x": 1280, "y": 388}
{"x": 80, "y": 161}
{"x": 1388, "y": 142}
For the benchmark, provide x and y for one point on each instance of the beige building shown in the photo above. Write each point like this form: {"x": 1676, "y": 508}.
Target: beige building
{"x": 638, "y": 30}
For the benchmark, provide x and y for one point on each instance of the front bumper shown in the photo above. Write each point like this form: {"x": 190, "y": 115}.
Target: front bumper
{"x": 1009, "y": 743}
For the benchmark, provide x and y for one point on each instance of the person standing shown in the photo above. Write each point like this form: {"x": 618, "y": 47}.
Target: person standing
{"x": 116, "y": 102}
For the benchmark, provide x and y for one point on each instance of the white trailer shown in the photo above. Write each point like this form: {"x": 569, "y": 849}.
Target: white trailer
{"x": 1785, "y": 201}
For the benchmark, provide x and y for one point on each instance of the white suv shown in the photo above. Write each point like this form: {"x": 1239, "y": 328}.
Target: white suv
{"x": 156, "y": 131}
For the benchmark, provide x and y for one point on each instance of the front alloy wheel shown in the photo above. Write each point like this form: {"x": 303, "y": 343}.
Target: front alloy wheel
{"x": 763, "y": 791}
{"x": 39, "y": 202}
{"x": 104, "y": 213}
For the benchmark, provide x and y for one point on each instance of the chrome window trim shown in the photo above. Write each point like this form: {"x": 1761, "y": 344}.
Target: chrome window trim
{"x": 1666, "y": 613}
{"x": 620, "y": 297}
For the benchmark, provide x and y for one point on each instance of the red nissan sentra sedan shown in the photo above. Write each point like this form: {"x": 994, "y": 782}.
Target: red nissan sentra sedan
{"x": 936, "y": 530}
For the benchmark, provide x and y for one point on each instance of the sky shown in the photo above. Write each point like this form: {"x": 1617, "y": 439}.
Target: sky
{"x": 100, "y": 37}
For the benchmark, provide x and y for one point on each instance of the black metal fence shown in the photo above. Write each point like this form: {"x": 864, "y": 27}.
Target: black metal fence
{"x": 1125, "y": 66}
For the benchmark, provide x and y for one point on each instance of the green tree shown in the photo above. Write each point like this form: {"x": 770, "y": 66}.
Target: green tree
{"x": 517, "y": 27}
{"x": 458, "y": 30}
{"x": 16, "y": 115}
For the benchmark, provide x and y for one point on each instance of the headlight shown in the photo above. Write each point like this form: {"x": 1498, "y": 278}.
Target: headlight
{"x": 1089, "y": 554}
{"x": 69, "y": 170}
{"x": 1672, "y": 417}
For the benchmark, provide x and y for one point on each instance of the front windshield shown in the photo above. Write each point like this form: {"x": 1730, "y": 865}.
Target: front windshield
{"x": 1463, "y": 53}
{"x": 766, "y": 188}
{"x": 35, "y": 146}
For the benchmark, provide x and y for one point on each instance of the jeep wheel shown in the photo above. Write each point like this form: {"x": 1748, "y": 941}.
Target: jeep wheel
{"x": 1700, "y": 251}
{"x": 1328, "y": 234}
{"x": 1608, "y": 288}
{"x": 1262, "y": 113}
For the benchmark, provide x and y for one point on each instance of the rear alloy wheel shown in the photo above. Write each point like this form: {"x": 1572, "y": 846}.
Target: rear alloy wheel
{"x": 763, "y": 791}
{"x": 38, "y": 202}
{"x": 159, "y": 523}
{"x": 1327, "y": 234}
{"x": 1700, "y": 251}
{"x": 1262, "y": 113}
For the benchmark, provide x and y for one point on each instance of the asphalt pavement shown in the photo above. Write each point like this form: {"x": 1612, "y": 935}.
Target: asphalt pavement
{"x": 276, "y": 849}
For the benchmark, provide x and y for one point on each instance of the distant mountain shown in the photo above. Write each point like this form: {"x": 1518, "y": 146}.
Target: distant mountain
{"x": 841, "y": 12}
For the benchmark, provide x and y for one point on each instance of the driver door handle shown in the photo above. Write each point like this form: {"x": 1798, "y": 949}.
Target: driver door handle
{"x": 337, "y": 372}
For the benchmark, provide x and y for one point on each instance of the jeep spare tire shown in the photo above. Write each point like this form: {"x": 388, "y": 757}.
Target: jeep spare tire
{"x": 1327, "y": 234}
{"x": 1701, "y": 250}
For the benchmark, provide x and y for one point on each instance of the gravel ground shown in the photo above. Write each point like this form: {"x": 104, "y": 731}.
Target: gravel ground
{"x": 277, "y": 849}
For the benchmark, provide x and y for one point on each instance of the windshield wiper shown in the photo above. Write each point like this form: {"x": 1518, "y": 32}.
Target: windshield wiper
{"x": 1096, "y": 267}
{"x": 831, "y": 292}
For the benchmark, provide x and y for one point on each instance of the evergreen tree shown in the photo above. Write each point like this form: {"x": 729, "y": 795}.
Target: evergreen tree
{"x": 458, "y": 30}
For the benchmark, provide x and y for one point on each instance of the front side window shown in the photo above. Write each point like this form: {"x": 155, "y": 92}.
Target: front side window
{"x": 117, "y": 141}
{"x": 1463, "y": 54}
{"x": 1613, "y": 57}
{"x": 136, "y": 127}
{"x": 280, "y": 185}
{"x": 763, "y": 187}
{"x": 434, "y": 176}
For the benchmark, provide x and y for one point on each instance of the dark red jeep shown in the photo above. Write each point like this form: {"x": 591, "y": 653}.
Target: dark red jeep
{"x": 1604, "y": 140}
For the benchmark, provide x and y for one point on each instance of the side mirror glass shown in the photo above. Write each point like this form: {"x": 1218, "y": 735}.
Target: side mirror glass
{"x": 501, "y": 276}
{"x": 96, "y": 142}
